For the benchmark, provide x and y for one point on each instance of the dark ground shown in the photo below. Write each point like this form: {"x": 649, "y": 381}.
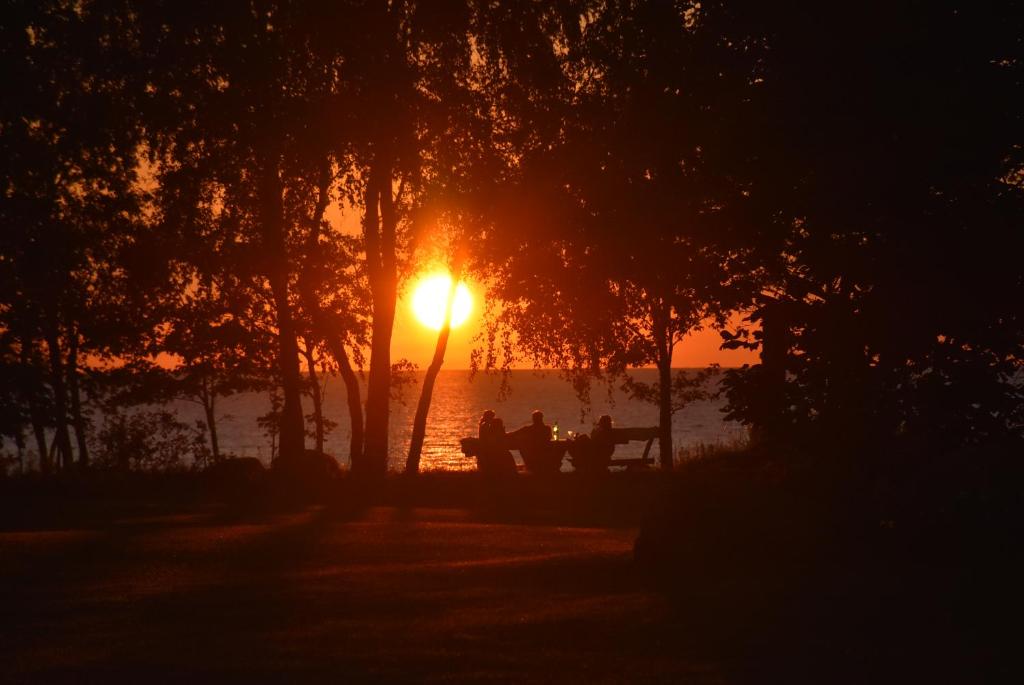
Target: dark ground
{"x": 445, "y": 582}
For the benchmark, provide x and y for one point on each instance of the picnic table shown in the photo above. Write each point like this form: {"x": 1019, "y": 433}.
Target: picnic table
{"x": 546, "y": 458}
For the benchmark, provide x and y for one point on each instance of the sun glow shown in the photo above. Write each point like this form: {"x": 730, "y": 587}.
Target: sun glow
{"x": 431, "y": 296}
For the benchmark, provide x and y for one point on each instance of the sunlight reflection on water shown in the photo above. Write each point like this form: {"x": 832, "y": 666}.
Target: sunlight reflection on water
{"x": 456, "y": 408}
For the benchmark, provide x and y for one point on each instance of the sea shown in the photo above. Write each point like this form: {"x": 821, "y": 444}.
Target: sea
{"x": 460, "y": 397}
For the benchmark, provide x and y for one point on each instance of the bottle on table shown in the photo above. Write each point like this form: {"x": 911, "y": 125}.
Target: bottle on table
{"x": 554, "y": 431}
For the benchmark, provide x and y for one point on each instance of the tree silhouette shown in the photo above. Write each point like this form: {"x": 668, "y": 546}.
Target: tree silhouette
{"x": 335, "y": 299}
{"x": 229, "y": 97}
{"x": 218, "y": 358}
{"x": 618, "y": 174}
{"x": 419, "y": 426}
{"x": 887, "y": 163}
{"x": 68, "y": 146}
{"x": 634, "y": 227}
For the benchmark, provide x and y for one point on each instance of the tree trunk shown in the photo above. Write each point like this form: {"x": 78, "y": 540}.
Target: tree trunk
{"x": 662, "y": 339}
{"x": 30, "y": 393}
{"x": 292, "y": 439}
{"x": 419, "y": 424}
{"x": 19, "y": 441}
{"x": 770, "y": 422}
{"x": 209, "y": 400}
{"x": 76, "y": 402}
{"x": 329, "y": 329}
{"x": 314, "y": 385}
{"x": 45, "y": 465}
{"x": 382, "y": 273}
{"x": 62, "y": 438}
{"x": 665, "y": 414}
{"x": 353, "y": 394}
{"x": 53, "y": 452}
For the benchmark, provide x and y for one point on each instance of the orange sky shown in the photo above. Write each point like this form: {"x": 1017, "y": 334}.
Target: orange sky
{"x": 415, "y": 342}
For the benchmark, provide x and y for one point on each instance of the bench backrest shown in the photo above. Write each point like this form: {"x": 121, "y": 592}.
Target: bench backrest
{"x": 624, "y": 435}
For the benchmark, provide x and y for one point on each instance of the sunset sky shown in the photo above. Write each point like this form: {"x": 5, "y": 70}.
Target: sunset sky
{"x": 414, "y": 341}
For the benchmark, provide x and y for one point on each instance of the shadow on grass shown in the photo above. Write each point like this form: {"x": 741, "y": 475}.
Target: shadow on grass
{"x": 364, "y": 594}
{"x": 749, "y": 570}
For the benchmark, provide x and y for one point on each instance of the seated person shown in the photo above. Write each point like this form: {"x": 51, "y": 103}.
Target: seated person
{"x": 603, "y": 440}
{"x": 494, "y": 459}
{"x": 539, "y": 431}
{"x": 534, "y": 442}
{"x": 592, "y": 453}
{"x": 492, "y": 429}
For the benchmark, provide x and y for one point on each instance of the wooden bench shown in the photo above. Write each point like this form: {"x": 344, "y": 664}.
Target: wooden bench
{"x": 624, "y": 436}
{"x": 548, "y": 461}
{"x": 621, "y": 436}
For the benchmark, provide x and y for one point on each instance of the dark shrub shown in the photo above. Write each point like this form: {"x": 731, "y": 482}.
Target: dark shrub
{"x": 235, "y": 471}
{"x": 310, "y": 474}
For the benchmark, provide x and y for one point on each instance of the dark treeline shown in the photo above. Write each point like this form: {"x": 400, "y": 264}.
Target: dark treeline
{"x": 204, "y": 198}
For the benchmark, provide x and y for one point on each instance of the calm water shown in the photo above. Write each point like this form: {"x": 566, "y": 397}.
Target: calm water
{"x": 457, "y": 406}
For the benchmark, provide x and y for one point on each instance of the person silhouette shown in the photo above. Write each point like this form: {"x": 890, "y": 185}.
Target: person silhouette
{"x": 494, "y": 460}
{"x": 491, "y": 427}
{"x": 602, "y": 442}
{"x": 534, "y": 440}
{"x": 538, "y": 431}
{"x": 591, "y": 454}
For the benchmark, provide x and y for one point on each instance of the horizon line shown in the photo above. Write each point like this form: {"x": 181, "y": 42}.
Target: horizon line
{"x": 638, "y": 368}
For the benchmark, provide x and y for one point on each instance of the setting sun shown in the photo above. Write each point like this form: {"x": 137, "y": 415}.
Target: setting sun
{"x": 430, "y": 297}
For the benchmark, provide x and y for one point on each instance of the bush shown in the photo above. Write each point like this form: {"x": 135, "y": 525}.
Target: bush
{"x": 308, "y": 474}
{"x": 705, "y": 450}
{"x": 147, "y": 441}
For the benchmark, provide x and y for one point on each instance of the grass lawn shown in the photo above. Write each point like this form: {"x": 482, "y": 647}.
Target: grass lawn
{"x": 444, "y": 580}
